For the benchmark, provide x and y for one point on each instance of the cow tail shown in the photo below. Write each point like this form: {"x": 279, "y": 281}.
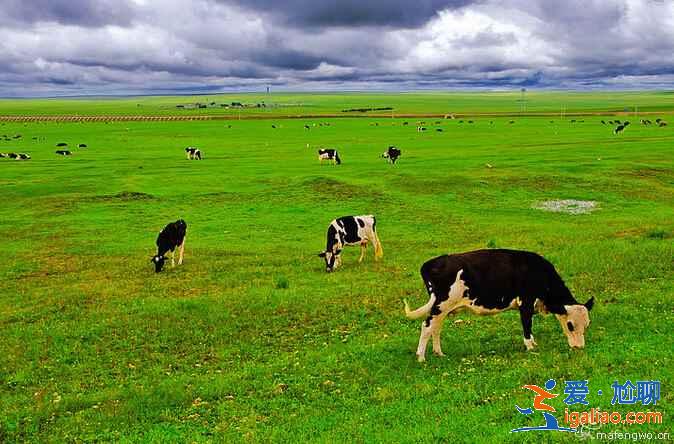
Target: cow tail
{"x": 337, "y": 159}
{"x": 422, "y": 311}
{"x": 378, "y": 251}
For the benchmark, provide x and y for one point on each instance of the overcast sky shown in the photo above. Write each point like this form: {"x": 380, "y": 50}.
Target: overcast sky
{"x": 55, "y": 47}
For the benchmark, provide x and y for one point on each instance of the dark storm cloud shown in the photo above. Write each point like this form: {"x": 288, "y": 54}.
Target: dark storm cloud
{"x": 145, "y": 46}
{"x": 88, "y": 13}
{"x": 313, "y": 14}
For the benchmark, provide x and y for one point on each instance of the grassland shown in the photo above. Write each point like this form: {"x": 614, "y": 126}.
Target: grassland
{"x": 298, "y": 104}
{"x": 250, "y": 340}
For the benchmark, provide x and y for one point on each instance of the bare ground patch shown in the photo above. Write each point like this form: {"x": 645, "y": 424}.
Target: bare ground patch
{"x": 568, "y": 206}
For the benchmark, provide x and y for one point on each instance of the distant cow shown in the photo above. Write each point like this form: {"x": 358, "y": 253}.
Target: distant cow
{"x": 307, "y": 127}
{"x": 193, "y": 153}
{"x": 492, "y": 281}
{"x": 662, "y": 124}
{"x": 618, "y": 129}
{"x": 171, "y": 237}
{"x": 63, "y": 152}
{"x": 61, "y": 144}
{"x": 350, "y": 230}
{"x": 329, "y": 154}
{"x": 82, "y": 145}
{"x": 392, "y": 154}
{"x": 421, "y": 128}
{"x": 23, "y": 156}
{"x": 603, "y": 123}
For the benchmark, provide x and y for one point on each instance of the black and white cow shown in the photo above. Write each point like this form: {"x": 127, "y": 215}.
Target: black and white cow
{"x": 23, "y": 156}
{"x": 392, "y": 154}
{"x": 350, "y": 230}
{"x": 491, "y": 281}
{"x": 193, "y": 153}
{"x": 63, "y": 152}
{"x": 329, "y": 154}
{"x": 171, "y": 237}
{"x": 619, "y": 129}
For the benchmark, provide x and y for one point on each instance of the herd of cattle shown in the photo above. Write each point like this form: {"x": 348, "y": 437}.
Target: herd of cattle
{"x": 482, "y": 281}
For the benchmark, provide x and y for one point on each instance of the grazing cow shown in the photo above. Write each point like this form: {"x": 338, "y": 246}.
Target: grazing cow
{"x": 329, "y": 154}
{"x": 171, "y": 237}
{"x": 273, "y": 126}
{"x": 421, "y": 128}
{"x": 439, "y": 130}
{"x": 662, "y": 124}
{"x": 658, "y": 120}
{"x": 307, "y": 127}
{"x": 23, "y": 156}
{"x": 511, "y": 122}
{"x": 12, "y": 155}
{"x": 392, "y": 154}
{"x": 618, "y": 129}
{"x": 405, "y": 123}
{"x": 491, "y": 281}
{"x": 603, "y": 123}
{"x": 63, "y": 152}
{"x": 350, "y": 230}
{"x": 61, "y": 144}
{"x": 193, "y": 153}
{"x": 82, "y": 145}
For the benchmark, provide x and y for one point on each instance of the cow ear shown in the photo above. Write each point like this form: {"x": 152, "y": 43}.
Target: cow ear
{"x": 589, "y": 304}
{"x": 322, "y": 254}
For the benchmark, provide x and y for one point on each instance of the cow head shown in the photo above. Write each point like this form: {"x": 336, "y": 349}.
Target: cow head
{"x": 574, "y": 322}
{"x": 332, "y": 259}
{"x": 158, "y": 261}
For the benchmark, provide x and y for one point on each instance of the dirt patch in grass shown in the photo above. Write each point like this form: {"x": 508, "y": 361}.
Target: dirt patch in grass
{"x": 568, "y": 206}
{"x": 337, "y": 189}
{"x": 124, "y": 196}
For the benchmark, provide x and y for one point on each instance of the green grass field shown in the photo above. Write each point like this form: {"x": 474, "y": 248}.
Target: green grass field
{"x": 298, "y": 104}
{"x": 250, "y": 340}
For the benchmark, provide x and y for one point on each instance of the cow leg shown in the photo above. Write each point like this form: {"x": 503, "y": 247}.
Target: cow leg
{"x": 173, "y": 262}
{"x": 526, "y": 315}
{"x": 431, "y": 327}
{"x": 182, "y": 251}
{"x": 426, "y": 332}
{"x": 363, "y": 249}
{"x": 437, "y": 348}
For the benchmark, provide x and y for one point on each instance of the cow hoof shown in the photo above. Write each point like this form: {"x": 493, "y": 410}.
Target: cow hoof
{"x": 421, "y": 358}
{"x": 439, "y": 354}
{"x": 530, "y": 343}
